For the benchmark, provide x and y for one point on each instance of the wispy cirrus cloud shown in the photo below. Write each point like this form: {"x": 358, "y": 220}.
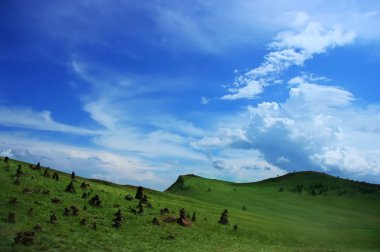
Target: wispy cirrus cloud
{"x": 192, "y": 25}
{"x": 148, "y": 133}
{"x": 88, "y": 162}
{"x": 289, "y": 48}
{"x": 40, "y": 120}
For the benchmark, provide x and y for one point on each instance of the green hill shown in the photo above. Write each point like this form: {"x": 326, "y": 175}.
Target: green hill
{"x": 312, "y": 212}
{"x": 306, "y": 206}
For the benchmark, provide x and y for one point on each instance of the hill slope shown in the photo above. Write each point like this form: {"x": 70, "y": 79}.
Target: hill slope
{"x": 273, "y": 221}
{"x": 311, "y": 205}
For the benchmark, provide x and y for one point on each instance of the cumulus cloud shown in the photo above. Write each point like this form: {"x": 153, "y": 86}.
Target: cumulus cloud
{"x": 289, "y": 48}
{"x": 308, "y": 97}
{"x": 346, "y": 158}
{"x": 318, "y": 127}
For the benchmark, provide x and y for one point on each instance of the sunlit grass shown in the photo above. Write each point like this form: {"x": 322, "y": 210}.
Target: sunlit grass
{"x": 272, "y": 221}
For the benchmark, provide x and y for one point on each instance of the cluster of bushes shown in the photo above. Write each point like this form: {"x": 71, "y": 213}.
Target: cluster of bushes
{"x": 297, "y": 189}
{"x": 318, "y": 189}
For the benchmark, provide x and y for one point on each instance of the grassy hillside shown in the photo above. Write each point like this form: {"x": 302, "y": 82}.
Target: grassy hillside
{"x": 272, "y": 221}
{"x": 306, "y": 206}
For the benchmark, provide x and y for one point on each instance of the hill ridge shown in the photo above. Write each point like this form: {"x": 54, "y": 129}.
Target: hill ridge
{"x": 181, "y": 180}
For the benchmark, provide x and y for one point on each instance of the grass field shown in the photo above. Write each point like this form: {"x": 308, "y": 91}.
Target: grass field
{"x": 304, "y": 211}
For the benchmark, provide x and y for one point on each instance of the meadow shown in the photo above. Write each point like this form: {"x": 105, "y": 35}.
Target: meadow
{"x": 303, "y": 211}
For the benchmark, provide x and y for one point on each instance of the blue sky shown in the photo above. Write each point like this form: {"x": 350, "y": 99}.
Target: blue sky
{"x": 140, "y": 92}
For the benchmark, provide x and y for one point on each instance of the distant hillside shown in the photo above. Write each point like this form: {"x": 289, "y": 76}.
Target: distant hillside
{"x": 306, "y": 182}
{"x": 296, "y": 212}
{"x": 302, "y": 202}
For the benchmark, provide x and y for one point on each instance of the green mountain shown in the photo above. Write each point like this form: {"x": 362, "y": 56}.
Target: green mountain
{"x": 305, "y": 211}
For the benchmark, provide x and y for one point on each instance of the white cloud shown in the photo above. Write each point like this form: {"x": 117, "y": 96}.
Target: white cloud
{"x": 289, "y": 48}
{"x": 309, "y": 97}
{"x": 88, "y": 162}
{"x": 243, "y": 165}
{"x": 6, "y": 153}
{"x": 349, "y": 159}
{"x": 247, "y": 22}
{"x": 282, "y": 159}
{"x": 28, "y": 118}
{"x": 223, "y": 138}
{"x": 249, "y": 91}
{"x": 173, "y": 124}
{"x": 215, "y": 28}
{"x": 308, "y": 122}
{"x": 204, "y": 100}
{"x": 312, "y": 39}
{"x": 146, "y": 146}
{"x": 317, "y": 127}
{"x": 149, "y": 133}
